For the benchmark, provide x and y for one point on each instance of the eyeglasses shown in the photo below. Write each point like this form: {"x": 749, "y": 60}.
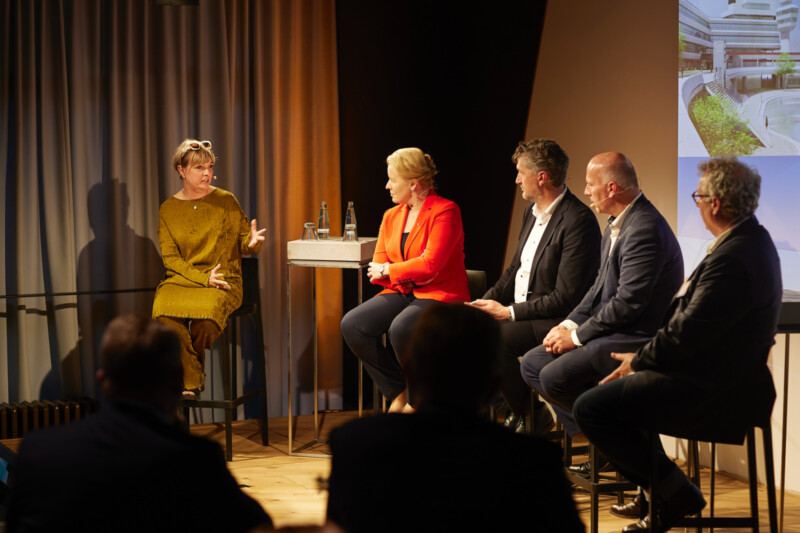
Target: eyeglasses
{"x": 697, "y": 196}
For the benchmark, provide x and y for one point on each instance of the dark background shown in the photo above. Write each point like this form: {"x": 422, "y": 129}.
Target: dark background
{"x": 454, "y": 82}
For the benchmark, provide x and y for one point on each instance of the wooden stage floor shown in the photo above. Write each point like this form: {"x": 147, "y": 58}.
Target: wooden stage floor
{"x": 287, "y": 486}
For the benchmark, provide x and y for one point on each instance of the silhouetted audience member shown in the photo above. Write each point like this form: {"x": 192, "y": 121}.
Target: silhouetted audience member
{"x": 438, "y": 469}
{"x": 130, "y": 467}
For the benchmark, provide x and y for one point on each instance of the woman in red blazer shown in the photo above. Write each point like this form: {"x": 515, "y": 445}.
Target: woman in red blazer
{"x": 419, "y": 259}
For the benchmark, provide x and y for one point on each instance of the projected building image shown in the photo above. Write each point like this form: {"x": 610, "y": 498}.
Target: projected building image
{"x": 739, "y": 87}
{"x": 739, "y": 95}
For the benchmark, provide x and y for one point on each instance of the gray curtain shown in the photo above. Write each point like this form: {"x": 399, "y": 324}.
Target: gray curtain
{"x": 94, "y": 98}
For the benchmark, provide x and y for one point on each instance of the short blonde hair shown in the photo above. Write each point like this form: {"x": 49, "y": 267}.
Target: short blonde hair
{"x": 187, "y": 155}
{"x": 413, "y": 164}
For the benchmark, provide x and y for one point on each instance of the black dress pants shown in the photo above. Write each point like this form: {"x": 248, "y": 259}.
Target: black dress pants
{"x": 518, "y": 338}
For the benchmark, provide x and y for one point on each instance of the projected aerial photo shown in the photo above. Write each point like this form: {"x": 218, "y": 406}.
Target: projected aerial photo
{"x": 739, "y": 95}
{"x": 738, "y": 79}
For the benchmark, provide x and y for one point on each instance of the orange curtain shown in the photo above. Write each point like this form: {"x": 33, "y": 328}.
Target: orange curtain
{"x": 95, "y": 96}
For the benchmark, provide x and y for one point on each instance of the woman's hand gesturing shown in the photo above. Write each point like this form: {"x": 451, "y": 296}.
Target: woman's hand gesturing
{"x": 256, "y": 235}
{"x": 215, "y": 278}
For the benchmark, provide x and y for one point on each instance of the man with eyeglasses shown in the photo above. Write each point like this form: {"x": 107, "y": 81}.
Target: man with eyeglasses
{"x": 641, "y": 267}
{"x": 704, "y": 372}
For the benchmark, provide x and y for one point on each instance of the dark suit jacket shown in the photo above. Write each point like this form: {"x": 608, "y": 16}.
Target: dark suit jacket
{"x": 435, "y": 471}
{"x": 434, "y": 252}
{"x": 636, "y": 282}
{"x": 125, "y": 469}
{"x": 719, "y": 332}
{"x": 564, "y": 266}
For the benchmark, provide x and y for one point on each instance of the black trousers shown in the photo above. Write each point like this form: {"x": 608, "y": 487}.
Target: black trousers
{"x": 518, "y": 338}
{"x": 363, "y": 327}
{"x": 620, "y": 416}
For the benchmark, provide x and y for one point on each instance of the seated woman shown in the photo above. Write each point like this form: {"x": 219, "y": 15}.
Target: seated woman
{"x": 203, "y": 233}
{"x": 419, "y": 259}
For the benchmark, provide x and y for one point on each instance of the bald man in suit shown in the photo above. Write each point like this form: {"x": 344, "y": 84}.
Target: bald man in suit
{"x": 641, "y": 268}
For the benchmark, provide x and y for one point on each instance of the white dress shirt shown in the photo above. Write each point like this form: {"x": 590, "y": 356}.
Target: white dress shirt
{"x": 522, "y": 278}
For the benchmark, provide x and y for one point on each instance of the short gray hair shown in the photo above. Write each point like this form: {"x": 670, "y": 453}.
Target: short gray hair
{"x": 737, "y": 185}
{"x": 543, "y": 155}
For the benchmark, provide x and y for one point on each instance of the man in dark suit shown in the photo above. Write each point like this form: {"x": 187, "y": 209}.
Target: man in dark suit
{"x": 556, "y": 260}
{"x": 704, "y": 373}
{"x": 641, "y": 267}
{"x": 130, "y": 467}
{"x": 437, "y": 469}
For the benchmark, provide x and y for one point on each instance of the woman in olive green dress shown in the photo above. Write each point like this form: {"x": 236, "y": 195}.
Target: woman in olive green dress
{"x": 203, "y": 233}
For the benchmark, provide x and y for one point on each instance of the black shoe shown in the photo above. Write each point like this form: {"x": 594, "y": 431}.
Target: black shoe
{"x": 512, "y": 420}
{"x": 637, "y": 508}
{"x": 542, "y": 420}
{"x": 191, "y": 394}
{"x": 585, "y": 469}
{"x": 641, "y": 525}
{"x": 515, "y": 423}
{"x": 687, "y": 501}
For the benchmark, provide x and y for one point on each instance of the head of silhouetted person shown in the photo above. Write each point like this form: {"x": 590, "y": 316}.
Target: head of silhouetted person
{"x": 452, "y": 360}
{"x": 140, "y": 360}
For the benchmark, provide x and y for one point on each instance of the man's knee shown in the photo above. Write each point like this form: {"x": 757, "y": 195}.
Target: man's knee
{"x": 552, "y": 380}
{"x": 600, "y": 404}
{"x": 532, "y": 364}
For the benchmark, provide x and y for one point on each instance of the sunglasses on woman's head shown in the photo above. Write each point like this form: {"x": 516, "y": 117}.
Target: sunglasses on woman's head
{"x": 197, "y": 145}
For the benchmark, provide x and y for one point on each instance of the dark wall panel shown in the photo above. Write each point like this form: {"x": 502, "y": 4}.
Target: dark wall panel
{"x": 451, "y": 80}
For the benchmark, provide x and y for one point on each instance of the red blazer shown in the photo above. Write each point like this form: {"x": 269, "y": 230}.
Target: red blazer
{"x": 434, "y": 254}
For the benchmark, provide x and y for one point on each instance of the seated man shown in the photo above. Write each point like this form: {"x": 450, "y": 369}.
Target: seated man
{"x": 556, "y": 260}
{"x": 131, "y": 466}
{"x": 437, "y": 469}
{"x": 641, "y": 267}
{"x": 704, "y": 373}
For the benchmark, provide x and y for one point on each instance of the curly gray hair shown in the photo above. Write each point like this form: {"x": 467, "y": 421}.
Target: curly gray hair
{"x": 737, "y": 185}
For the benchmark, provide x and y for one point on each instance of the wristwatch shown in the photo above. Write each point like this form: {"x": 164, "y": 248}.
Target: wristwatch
{"x": 381, "y": 269}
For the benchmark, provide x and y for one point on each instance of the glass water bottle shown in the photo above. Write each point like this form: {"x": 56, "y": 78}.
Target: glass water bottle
{"x": 350, "y": 226}
{"x": 323, "y": 224}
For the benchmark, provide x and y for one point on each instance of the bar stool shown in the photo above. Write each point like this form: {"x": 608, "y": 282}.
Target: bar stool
{"x": 750, "y": 521}
{"x": 596, "y": 484}
{"x": 251, "y": 307}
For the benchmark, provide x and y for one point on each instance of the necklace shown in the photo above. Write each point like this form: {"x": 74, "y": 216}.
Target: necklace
{"x": 200, "y": 200}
